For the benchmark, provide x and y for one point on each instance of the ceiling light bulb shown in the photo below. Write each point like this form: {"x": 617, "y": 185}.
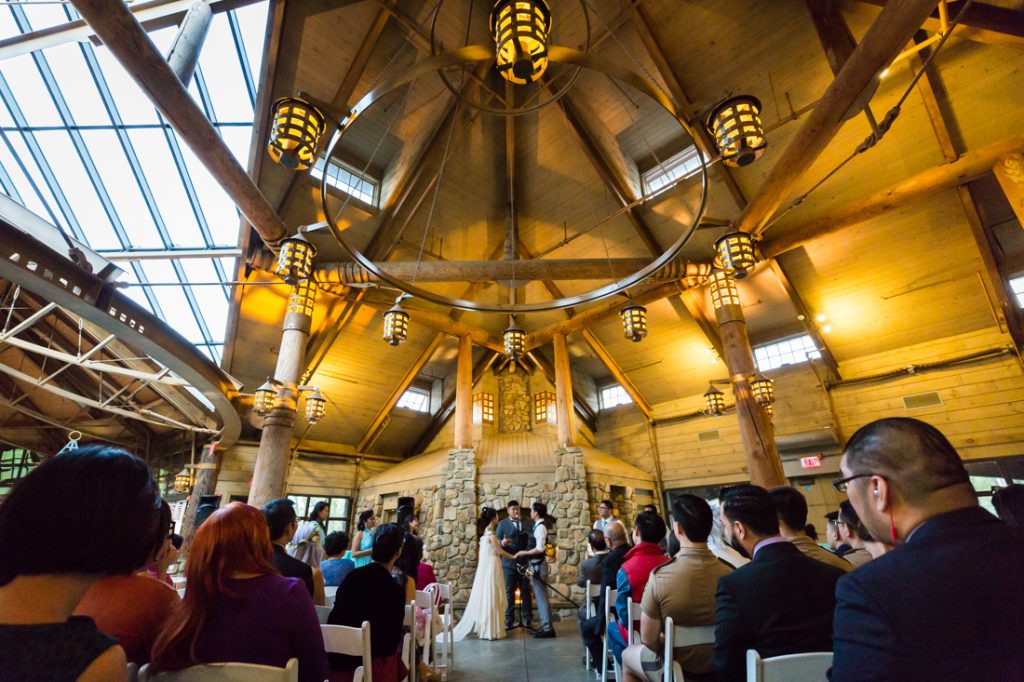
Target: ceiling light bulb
{"x": 820, "y": 317}
{"x": 827, "y": 328}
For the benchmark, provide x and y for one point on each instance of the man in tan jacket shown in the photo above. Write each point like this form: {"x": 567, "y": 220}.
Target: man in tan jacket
{"x": 791, "y": 508}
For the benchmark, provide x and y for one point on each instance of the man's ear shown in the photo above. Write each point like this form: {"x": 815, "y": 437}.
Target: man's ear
{"x": 881, "y": 494}
{"x": 739, "y": 530}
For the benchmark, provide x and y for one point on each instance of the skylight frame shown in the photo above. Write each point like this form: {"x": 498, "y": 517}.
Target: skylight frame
{"x": 680, "y": 165}
{"x": 785, "y": 352}
{"x": 613, "y": 395}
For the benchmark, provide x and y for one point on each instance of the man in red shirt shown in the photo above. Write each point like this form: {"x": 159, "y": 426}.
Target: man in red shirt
{"x": 646, "y": 555}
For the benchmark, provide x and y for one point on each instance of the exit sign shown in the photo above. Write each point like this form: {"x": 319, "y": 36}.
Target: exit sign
{"x": 810, "y": 462}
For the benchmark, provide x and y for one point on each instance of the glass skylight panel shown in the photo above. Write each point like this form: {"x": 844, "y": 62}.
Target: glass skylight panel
{"x": 76, "y": 84}
{"x": 613, "y": 395}
{"x": 219, "y": 211}
{"x": 214, "y": 299}
{"x": 1017, "y": 287}
{"x": 680, "y": 165}
{"x": 177, "y": 310}
{"x": 29, "y": 91}
{"x": 154, "y": 156}
{"x": 252, "y": 24}
{"x": 238, "y": 139}
{"x": 223, "y": 71}
{"x": 132, "y": 104}
{"x": 416, "y": 400}
{"x": 348, "y": 180}
{"x": 790, "y": 351}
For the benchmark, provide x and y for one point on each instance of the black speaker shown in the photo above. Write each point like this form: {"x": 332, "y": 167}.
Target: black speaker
{"x": 406, "y": 508}
{"x": 207, "y": 505}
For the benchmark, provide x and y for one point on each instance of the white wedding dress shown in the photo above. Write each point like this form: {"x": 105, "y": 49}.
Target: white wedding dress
{"x": 485, "y": 611}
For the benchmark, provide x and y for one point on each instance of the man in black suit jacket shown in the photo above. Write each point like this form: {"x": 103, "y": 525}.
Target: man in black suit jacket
{"x": 592, "y": 628}
{"x": 514, "y": 535}
{"x": 282, "y": 522}
{"x": 780, "y": 603}
{"x": 948, "y": 602}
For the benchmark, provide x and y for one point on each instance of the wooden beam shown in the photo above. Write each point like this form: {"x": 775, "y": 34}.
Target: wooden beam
{"x": 1009, "y": 171}
{"x": 608, "y": 361}
{"x": 839, "y": 44}
{"x": 464, "y": 395}
{"x": 969, "y": 166}
{"x": 983, "y": 23}
{"x": 882, "y": 42}
{"x": 807, "y": 317}
{"x": 936, "y": 103}
{"x": 563, "y": 394}
{"x": 583, "y": 409}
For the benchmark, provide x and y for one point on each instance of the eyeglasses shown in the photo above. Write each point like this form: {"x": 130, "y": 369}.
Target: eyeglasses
{"x": 841, "y": 484}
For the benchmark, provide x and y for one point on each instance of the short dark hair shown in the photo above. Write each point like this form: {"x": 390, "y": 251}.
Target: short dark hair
{"x": 650, "y": 526}
{"x": 280, "y": 514}
{"x": 912, "y": 455}
{"x": 848, "y": 515}
{"x": 607, "y": 503}
{"x": 112, "y": 527}
{"x": 790, "y": 505}
{"x": 387, "y": 540}
{"x": 540, "y": 508}
{"x": 752, "y": 506}
{"x": 832, "y": 516}
{"x": 596, "y": 539}
{"x": 335, "y": 543}
{"x": 1009, "y": 504}
{"x": 512, "y": 503}
{"x": 694, "y": 515}
{"x": 650, "y": 508}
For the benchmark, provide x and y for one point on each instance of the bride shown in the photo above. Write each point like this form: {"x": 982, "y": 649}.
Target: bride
{"x": 485, "y": 611}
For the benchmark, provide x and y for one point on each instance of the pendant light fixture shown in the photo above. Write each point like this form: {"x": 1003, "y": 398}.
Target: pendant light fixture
{"x": 295, "y": 133}
{"x": 714, "y": 400}
{"x": 396, "y": 324}
{"x": 634, "y": 322}
{"x": 515, "y": 341}
{"x": 264, "y": 398}
{"x": 763, "y": 389}
{"x": 316, "y": 406}
{"x": 520, "y": 30}
{"x": 736, "y": 253}
{"x": 295, "y": 259}
{"x": 182, "y": 481}
{"x": 736, "y": 126}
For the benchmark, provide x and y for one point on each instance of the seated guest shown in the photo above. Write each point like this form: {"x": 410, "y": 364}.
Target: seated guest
{"x": 336, "y": 566}
{"x": 133, "y": 608}
{"x": 282, "y": 524}
{"x": 237, "y": 608}
{"x": 848, "y": 524}
{"x": 592, "y": 629}
{"x": 834, "y": 542}
{"x": 872, "y": 546}
{"x": 683, "y": 589}
{"x": 112, "y": 527}
{"x": 159, "y": 569}
{"x": 948, "y": 602}
{"x": 811, "y": 532}
{"x": 780, "y": 603}
{"x": 425, "y": 576}
{"x": 718, "y": 545}
{"x": 791, "y": 508}
{"x": 632, "y": 577}
{"x": 404, "y": 572}
{"x": 604, "y": 515}
{"x": 1009, "y": 504}
{"x": 590, "y": 568}
{"x": 370, "y": 593}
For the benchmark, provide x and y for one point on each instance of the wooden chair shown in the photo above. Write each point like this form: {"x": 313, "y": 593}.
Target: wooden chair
{"x": 811, "y": 667}
{"x": 425, "y": 601}
{"x": 677, "y": 637}
{"x": 342, "y": 639}
{"x": 322, "y": 612}
{"x": 593, "y": 592}
{"x": 226, "y": 672}
{"x": 443, "y": 603}
{"x": 609, "y": 598}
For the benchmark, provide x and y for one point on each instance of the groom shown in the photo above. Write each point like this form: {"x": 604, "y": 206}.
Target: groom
{"x": 539, "y": 566}
{"x": 514, "y": 537}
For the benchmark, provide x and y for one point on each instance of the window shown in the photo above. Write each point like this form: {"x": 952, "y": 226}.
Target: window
{"x": 341, "y": 509}
{"x": 544, "y": 408}
{"x": 682, "y": 165}
{"x": 349, "y": 180}
{"x": 415, "y": 399}
{"x": 988, "y": 475}
{"x": 613, "y": 395}
{"x": 483, "y": 408}
{"x": 1017, "y": 287}
{"x": 790, "y": 351}
{"x": 15, "y": 463}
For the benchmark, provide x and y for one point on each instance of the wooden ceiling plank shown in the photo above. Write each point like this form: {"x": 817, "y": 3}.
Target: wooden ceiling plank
{"x": 990, "y": 23}
{"x": 936, "y": 103}
{"x": 837, "y": 41}
{"x": 608, "y": 361}
{"x": 693, "y": 300}
{"x": 807, "y": 318}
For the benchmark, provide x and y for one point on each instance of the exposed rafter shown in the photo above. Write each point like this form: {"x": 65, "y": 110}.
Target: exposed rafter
{"x": 608, "y": 361}
{"x": 983, "y": 22}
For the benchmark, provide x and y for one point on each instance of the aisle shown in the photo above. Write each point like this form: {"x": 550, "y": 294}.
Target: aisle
{"x": 521, "y": 658}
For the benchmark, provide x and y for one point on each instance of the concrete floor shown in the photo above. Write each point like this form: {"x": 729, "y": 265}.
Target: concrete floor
{"x": 521, "y": 658}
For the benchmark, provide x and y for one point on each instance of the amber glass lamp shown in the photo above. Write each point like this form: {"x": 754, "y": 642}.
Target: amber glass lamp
{"x": 295, "y": 260}
{"x": 724, "y": 291}
{"x": 520, "y": 30}
{"x": 182, "y": 481}
{"x": 295, "y": 133}
{"x": 634, "y": 322}
{"x": 736, "y": 253}
{"x": 515, "y": 341}
{"x": 396, "y": 325}
{"x": 714, "y": 401}
{"x": 763, "y": 389}
{"x": 736, "y": 126}
{"x": 316, "y": 406}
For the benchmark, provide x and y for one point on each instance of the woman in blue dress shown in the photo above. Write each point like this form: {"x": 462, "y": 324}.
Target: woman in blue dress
{"x": 362, "y": 543}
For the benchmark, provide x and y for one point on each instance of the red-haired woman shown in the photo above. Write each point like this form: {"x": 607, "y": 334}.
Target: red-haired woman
{"x": 236, "y": 607}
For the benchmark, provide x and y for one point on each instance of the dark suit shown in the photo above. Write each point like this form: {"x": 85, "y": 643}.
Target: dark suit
{"x": 290, "y": 567}
{"x": 520, "y": 541}
{"x": 592, "y": 628}
{"x": 780, "y": 603}
{"x": 946, "y": 605}
{"x": 590, "y": 569}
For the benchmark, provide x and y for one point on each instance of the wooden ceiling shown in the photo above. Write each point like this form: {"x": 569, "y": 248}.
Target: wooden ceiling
{"x": 913, "y": 274}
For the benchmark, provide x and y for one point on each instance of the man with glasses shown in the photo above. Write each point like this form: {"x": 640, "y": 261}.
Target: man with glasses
{"x": 604, "y": 513}
{"x": 948, "y": 602}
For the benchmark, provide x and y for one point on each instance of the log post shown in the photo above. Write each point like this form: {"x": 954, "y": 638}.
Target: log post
{"x": 270, "y": 474}
{"x": 464, "y": 395}
{"x": 563, "y": 393}
{"x": 205, "y": 476}
{"x": 188, "y": 43}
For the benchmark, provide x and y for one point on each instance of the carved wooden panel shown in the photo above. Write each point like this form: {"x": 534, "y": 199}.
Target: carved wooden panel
{"x": 513, "y": 403}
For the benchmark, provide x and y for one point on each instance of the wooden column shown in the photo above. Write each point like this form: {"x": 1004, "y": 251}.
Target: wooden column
{"x": 205, "y": 474}
{"x": 1009, "y": 171}
{"x": 270, "y": 474}
{"x": 188, "y": 43}
{"x": 464, "y": 395}
{"x": 763, "y": 463}
{"x": 563, "y": 393}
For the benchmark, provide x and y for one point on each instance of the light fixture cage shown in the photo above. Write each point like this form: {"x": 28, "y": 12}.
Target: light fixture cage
{"x": 182, "y": 481}
{"x": 302, "y": 298}
{"x": 263, "y": 398}
{"x": 634, "y": 322}
{"x": 763, "y": 389}
{"x": 724, "y": 291}
{"x": 770, "y": 411}
{"x": 316, "y": 406}
{"x": 714, "y": 401}
{"x": 396, "y": 325}
{"x": 295, "y": 259}
{"x": 515, "y": 341}
{"x": 295, "y": 133}
{"x": 520, "y": 30}
{"x": 736, "y": 253}
{"x": 738, "y": 131}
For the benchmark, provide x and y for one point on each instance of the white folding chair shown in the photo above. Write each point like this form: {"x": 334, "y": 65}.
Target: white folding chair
{"x": 443, "y": 603}
{"x": 409, "y": 642}
{"x": 181, "y": 593}
{"x": 590, "y": 609}
{"x": 811, "y": 667}
{"x": 133, "y": 672}
{"x": 609, "y": 599}
{"x": 677, "y": 637}
{"x": 342, "y": 639}
{"x": 633, "y": 609}
{"x": 425, "y": 601}
{"x": 226, "y": 672}
{"x": 322, "y": 612}
{"x": 330, "y": 592}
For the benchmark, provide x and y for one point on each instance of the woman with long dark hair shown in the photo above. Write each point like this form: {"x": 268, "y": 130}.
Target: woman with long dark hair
{"x": 309, "y": 538}
{"x": 485, "y": 610}
{"x": 362, "y": 541}
{"x": 237, "y": 608}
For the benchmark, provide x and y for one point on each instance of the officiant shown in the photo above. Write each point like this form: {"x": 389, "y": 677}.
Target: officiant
{"x": 514, "y": 536}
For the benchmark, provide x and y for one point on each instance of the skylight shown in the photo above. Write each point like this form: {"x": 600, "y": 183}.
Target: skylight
{"x": 613, "y": 395}
{"x": 416, "y": 400}
{"x": 786, "y": 352}
{"x": 348, "y": 180}
{"x": 680, "y": 165}
{"x": 82, "y": 146}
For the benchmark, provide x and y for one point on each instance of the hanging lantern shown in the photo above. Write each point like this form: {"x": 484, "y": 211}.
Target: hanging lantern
{"x": 295, "y": 260}
{"x": 295, "y": 133}
{"x": 264, "y": 397}
{"x": 520, "y": 30}
{"x": 724, "y": 291}
{"x": 763, "y": 389}
{"x": 515, "y": 341}
{"x": 634, "y": 322}
{"x": 736, "y": 127}
{"x": 714, "y": 400}
{"x": 770, "y": 411}
{"x": 182, "y": 481}
{"x": 316, "y": 406}
{"x": 736, "y": 253}
{"x": 396, "y": 325}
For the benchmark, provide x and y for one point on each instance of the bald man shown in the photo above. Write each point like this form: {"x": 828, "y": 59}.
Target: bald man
{"x": 591, "y": 629}
{"x": 948, "y": 602}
